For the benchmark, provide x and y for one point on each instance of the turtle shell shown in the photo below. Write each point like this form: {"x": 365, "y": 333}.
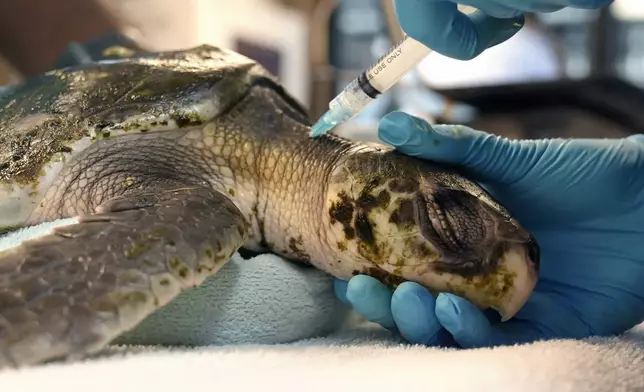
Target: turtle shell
{"x": 49, "y": 117}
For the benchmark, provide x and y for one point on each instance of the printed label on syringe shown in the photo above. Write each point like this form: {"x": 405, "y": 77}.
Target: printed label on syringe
{"x": 392, "y": 66}
{"x": 382, "y": 62}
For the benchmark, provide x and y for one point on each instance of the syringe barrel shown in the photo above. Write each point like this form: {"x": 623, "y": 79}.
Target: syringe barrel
{"x": 377, "y": 79}
{"x": 394, "y": 64}
{"x": 352, "y": 99}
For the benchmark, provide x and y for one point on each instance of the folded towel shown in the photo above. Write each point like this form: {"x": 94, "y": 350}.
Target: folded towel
{"x": 262, "y": 300}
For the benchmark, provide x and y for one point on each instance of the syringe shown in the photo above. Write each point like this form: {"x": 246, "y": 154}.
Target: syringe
{"x": 377, "y": 79}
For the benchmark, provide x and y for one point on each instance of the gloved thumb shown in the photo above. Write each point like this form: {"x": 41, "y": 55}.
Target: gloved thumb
{"x": 439, "y": 25}
{"x": 486, "y": 157}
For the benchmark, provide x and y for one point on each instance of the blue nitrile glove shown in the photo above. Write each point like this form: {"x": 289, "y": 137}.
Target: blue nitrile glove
{"x": 442, "y": 27}
{"x": 582, "y": 199}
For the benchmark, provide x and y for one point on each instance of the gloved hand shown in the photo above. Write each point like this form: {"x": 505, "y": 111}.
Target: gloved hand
{"x": 582, "y": 199}
{"x": 440, "y": 26}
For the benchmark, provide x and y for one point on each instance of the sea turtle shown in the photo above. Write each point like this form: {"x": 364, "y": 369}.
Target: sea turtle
{"x": 174, "y": 160}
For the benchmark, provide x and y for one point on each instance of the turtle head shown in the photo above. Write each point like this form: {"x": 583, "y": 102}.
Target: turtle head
{"x": 407, "y": 219}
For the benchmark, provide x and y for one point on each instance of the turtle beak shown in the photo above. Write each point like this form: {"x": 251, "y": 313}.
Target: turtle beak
{"x": 523, "y": 262}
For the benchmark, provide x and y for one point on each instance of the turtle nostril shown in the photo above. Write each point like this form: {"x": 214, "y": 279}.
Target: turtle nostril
{"x": 534, "y": 253}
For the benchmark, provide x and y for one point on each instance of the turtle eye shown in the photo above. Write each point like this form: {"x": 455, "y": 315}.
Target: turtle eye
{"x": 456, "y": 218}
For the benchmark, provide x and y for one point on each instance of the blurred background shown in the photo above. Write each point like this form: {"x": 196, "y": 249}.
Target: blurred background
{"x": 569, "y": 73}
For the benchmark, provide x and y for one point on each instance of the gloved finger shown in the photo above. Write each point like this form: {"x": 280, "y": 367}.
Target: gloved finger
{"x": 531, "y": 6}
{"x": 442, "y": 27}
{"x": 545, "y": 6}
{"x": 509, "y": 8}
{"x": 488, "y": 157}
{"x": 471, "y": 329}
{"x": 412, "y": 307}
{"x": 371, "y": 299}
{"x": 582, "y": 4}
{"x": 467, "y": 324}
{"x": 492, "y": 8}
{"x": 340, "y": 290}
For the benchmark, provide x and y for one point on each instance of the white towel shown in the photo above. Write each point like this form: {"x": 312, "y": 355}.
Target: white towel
{"x": 359, "y": 360}
{"x": 362, "y": 358}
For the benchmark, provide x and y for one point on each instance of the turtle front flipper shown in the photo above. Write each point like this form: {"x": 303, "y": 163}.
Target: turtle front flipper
{"x": 71, "y": 292}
